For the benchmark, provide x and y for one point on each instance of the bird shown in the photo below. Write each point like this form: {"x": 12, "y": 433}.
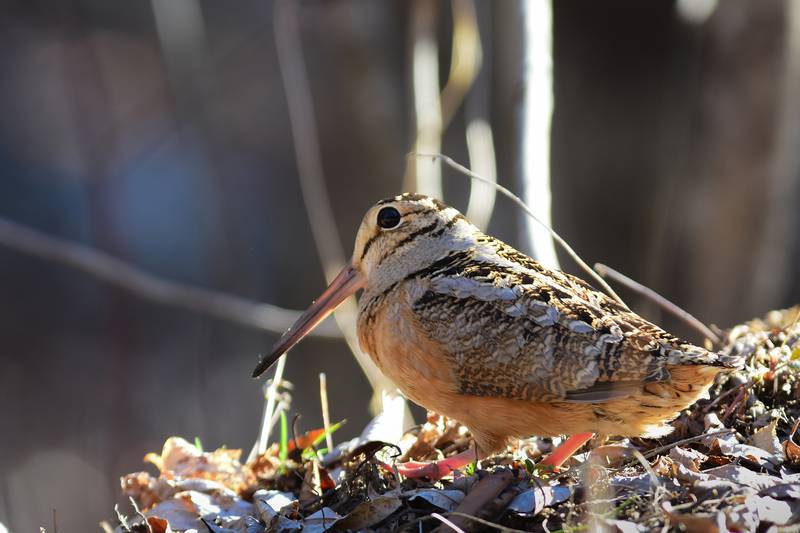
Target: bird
{"x": 469, "y": 327}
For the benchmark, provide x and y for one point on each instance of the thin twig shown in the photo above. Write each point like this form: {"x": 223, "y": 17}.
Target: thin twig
{"x": 735, "y": 403}
{"x": 486, "y": 523}
{"x": 123, "y": 520}
{"x": 608, "y": 272}
{"x": 140, "y": 514}
{"x": 662, "y": 449}
{"x": 268, "y": 415}
{"x": 139, "y": 283}
{"x": 649, "y": 469}
{"x": 749, "y": 383}
{"x": 447, "y": 522}
{"x": 516, "y": 199}
{"x": 326, "y": 417}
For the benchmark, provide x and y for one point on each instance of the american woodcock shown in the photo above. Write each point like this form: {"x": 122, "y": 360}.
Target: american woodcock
{"x": 469, "y": 327}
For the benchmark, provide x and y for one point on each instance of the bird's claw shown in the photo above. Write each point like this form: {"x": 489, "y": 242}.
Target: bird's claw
{"x": 433, "y": 469}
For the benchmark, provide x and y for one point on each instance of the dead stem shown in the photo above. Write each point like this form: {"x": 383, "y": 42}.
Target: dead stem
{"x": 662, "y": 449}
{"x": 268, "y": 417}
{"x": 653, "y": 296}
{"x": 326, "y": 418}
{"x": 144, "y": 285}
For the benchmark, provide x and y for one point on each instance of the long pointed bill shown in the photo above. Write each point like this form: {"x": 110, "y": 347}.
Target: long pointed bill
{"x": 346, "y": 283}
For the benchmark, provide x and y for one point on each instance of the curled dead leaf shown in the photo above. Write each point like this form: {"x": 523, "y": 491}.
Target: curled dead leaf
{"x": 158, "y": 525}
{"x": 791, "y": 450}
{"x": 371, "y": 512}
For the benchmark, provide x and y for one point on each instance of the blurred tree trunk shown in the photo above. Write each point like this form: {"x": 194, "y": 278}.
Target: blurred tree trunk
{"x": 740, "y": 116}
{"x": 776, "y": 271}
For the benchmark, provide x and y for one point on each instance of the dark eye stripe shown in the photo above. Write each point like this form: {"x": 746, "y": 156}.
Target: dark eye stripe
{"x": 410, "y": 237}
{"x": 369, "y": 243}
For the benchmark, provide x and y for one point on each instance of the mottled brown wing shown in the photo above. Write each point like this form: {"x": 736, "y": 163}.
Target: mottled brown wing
{"x": 508, "y": 334}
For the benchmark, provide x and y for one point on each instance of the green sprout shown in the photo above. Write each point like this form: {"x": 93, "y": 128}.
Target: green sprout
{"x": 310, "y": 453}
{"x": 283, "y": 454}
{"x": 469, "y": 470}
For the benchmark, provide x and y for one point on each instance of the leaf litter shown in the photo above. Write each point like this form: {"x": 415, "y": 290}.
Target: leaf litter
{"x": 732, "y": 464}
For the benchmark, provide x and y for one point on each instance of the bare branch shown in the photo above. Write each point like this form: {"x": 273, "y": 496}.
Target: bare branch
{"x": 650, "y": 294}
{"x": 125, "y": 276}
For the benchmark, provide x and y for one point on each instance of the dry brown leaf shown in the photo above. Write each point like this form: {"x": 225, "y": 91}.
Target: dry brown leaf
{"x": 767, "y": 439}
{"x": 311, "y": 490}
{"x": 180, "y": 459}
{"x": 790, "y": 449}
{"x": 691, "y": 459}
{"x": 697, "y": 523}
{"x": 158, "y": 525}
{"x": 371, "y": 512}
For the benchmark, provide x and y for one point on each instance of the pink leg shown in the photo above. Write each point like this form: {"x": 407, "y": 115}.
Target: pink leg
{"x": 435, "y": 469}
{"x": 560, "y": 455}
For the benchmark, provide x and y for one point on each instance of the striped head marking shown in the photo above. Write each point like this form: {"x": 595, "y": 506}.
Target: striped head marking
{"x": 402, "y": 234}
{"x": 398, "y": 236}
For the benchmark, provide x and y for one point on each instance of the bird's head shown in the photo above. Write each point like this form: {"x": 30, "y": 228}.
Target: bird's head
{"x": 397, "y": 236}
{"x": 403, "y": 234}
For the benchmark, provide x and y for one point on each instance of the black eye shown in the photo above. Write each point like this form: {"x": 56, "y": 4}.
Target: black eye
{"x": 388, "y": 217}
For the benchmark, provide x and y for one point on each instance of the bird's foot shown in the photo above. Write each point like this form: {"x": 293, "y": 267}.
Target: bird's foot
{"x": 561, "y": 454}
{"x": 435, "y": 469}
{"x": 445, "y": 467}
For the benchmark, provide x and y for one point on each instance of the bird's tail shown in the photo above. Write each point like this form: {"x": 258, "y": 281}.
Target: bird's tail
{"x": 689, "y": 354}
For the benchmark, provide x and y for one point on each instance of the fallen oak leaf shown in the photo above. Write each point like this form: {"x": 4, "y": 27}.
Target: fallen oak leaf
{"x": 743, "y": 476}
{"x": 691, "y": 459}
{"x": 697, "y": 523}
{"x": 533, "y": 501}
{"x": 323, "y": 520}
{"x": 181, "y": 459}
{"x": 371, "y": 512}
{"x": 311, "y": 490}
{"x": 444, "y": 499}
{"x": 766, "y": 438}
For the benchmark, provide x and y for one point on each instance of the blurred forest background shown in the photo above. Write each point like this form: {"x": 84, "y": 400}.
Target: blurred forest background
{"x": 159, "y": 133}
